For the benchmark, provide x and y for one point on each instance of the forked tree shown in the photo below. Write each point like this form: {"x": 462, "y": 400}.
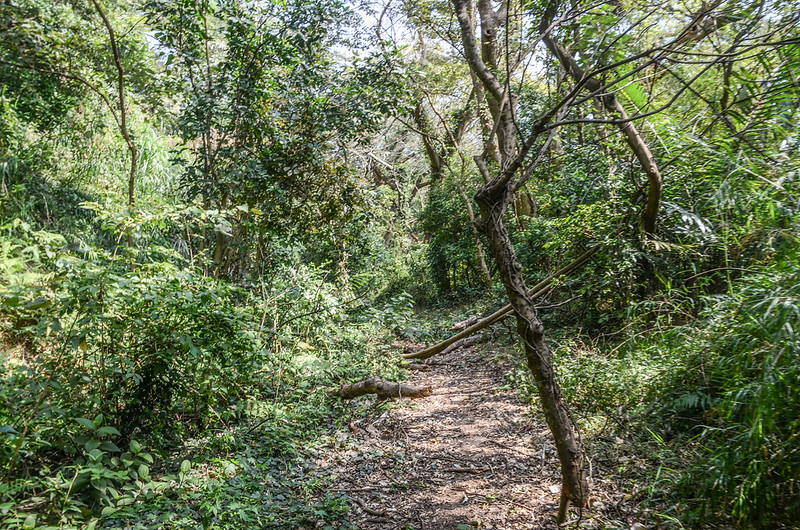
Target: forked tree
{"x": 511, "y": 155}
{"x": 493, "y": 200}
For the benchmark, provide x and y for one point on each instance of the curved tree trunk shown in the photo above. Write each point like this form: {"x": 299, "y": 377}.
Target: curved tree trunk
{"x": 493, "y": 200}
{"x": 575, "y": 487}
{"x": 633, "y": 137}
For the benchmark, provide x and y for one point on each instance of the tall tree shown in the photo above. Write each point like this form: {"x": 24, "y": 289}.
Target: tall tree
{"x": 512, "y": 150}
{"x": 493, "y": 200}
{"x": 270, "y": 114}
{"x": 123, "y": 109}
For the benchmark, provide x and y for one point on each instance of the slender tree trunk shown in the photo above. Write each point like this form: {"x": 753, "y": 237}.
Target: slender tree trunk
{"x": 123, "y": 112}
{"x": 575, "y": 487}
{"x": 493, "y": 200}
{"x": 487, "y": 276}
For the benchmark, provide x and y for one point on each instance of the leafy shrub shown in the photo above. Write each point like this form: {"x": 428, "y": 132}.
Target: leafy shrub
{"x": 158, "y": 344}
{"x": 720, "y": 393}
{"x": 753, "y": 445}
{"x": 158, "y": 354}
{"x": 451, "y": 252}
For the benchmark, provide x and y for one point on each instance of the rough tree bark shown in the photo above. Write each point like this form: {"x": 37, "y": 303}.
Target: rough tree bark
{"x": 493, "y": 200}
{"x": 535, "y": 292}
{"x": 575, "y": 487}
{"x": 383, "y": 389}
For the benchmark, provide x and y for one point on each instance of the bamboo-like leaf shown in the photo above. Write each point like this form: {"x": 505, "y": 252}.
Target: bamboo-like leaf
{"x": 636, "y": 94}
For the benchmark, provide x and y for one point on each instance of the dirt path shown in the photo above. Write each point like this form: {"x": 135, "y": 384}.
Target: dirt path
{"x": 471, "y": 455}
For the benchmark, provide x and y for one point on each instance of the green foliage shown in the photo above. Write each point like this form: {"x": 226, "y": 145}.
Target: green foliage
{"x": 272, "y": 252}
{"x": 163, "y": 354}
{"x": 55, "y": 55}
{"x": 48, "y": 24}
{"x": 289, "y": 106}
{"x": 166, "y": 343}
{"x": 396, "y": 313}
{"x": 451, "y": 254}
{"x": 750, "y": 376}
{"x": 716, "y": 393}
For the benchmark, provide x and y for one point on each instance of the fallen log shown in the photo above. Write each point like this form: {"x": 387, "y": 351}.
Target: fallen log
{"x": 536, "y": 291}
{"x": 383, "y": 389}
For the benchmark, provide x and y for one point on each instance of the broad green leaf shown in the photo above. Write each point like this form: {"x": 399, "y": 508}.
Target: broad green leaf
{"x": 105, "y": 431}
{"x": 110, "y": 446}
{"x": 38, "y": 303}
{"x": 8, "y": 429}
{"x": 89, "y": 424}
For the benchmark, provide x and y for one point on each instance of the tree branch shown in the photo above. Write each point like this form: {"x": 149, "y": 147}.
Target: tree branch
{"x": 536, "y": 291}
{"x": 91, "y": 86}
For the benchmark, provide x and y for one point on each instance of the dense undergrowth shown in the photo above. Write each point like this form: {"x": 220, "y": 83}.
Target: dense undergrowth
{"x": 680, "y": 360}
{"x": 126, "y": 392}
{"x": 704, "y": 412}
{"x": 137, "y": 389}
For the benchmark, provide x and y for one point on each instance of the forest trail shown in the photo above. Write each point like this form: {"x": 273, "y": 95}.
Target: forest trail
{"x": 472, "y": 455}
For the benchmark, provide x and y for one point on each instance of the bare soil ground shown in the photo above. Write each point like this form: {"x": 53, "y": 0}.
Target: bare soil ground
{"x": 472, "y": 455}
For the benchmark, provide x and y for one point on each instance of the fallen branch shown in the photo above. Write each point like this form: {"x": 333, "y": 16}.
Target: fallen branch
{"x": 461, "y": 343}
{"x": 538, "y": 290}
{"x": 458, "y": 326}
{"x": 383, "y": 389}
{"x": 464, "y": 469}
{"x": 464, "y": 343}
{"x": 367, "y": 509}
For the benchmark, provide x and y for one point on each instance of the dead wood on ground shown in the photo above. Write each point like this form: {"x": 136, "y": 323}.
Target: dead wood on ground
{"x": 536, "y": 291}
{"x": 383, "y": 389}
{"x": 458, "y": 326}
{"x": 463, "y": 343}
